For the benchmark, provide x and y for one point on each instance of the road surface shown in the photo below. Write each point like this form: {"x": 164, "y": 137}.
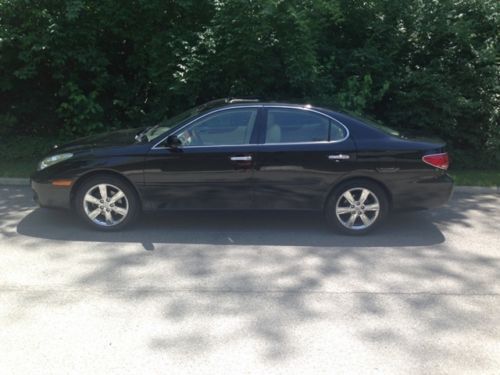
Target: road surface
{"x": 260, "y": 293}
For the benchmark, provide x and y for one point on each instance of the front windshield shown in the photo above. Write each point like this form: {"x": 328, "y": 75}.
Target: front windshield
{"x": 169, "y": 123}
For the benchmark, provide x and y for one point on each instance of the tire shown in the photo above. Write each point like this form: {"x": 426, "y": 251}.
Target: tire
{"x": 357, "y": 207}
{"x": 108, "y": 212}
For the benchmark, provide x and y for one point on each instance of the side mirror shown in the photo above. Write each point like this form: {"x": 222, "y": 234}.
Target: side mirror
{"x": 173, "y": 142}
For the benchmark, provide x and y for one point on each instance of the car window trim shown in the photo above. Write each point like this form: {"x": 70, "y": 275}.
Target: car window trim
{"x": 157, "y": 147}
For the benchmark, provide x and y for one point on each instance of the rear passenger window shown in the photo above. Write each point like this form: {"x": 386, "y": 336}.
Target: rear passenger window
{"x": 297, "y": 126}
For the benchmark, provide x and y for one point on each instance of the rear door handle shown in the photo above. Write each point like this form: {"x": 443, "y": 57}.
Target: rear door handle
{"x": 339, "y": 157}
{"x": 241, "y": 158}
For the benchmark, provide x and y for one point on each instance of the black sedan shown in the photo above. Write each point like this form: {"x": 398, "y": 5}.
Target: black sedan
{"x": 243, "y": 154}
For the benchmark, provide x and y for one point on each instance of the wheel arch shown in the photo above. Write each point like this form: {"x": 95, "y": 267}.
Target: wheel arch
{"x": 350, "y": 178}
{"x": 102, "y": 172}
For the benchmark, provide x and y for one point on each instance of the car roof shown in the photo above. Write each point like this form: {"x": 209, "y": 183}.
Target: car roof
{"x": 243, "y": 102}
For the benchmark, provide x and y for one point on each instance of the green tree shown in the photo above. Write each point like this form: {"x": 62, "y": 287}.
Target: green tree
{"x": 74, "y": 67}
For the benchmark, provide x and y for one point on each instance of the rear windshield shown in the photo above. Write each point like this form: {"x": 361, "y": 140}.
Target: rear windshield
{"x": 387, "y": 130}
{"x": 377, "y": 125}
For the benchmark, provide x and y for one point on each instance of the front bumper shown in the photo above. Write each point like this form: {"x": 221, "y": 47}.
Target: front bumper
{"x": 48, "y": 195}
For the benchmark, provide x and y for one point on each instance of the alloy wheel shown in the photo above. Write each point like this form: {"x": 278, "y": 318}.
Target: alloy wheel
{"x": 357, "y": 208}
{"x": 105, "y": 205}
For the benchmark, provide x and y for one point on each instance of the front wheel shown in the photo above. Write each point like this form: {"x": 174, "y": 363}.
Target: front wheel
{"x": 357, "y": 207}
{"x": 106, "y": 203}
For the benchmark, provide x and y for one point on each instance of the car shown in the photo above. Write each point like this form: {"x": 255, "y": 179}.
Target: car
{"x": 236, "y": 154}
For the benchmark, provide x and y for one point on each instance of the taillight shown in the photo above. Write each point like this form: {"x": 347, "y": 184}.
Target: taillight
{"x": 440, "y": 161}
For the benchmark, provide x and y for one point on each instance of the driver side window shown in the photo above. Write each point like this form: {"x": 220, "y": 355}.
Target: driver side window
{"x": 227, "y": 127}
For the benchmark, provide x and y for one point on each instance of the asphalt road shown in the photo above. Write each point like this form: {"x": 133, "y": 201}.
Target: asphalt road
{"x": 233, "y": 293}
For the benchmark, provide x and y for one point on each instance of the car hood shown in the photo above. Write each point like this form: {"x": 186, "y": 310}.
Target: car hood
{"x": 108, "y": 139}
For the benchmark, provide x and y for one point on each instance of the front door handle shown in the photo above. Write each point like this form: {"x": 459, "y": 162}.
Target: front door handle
{"x": 339, "y": 157}
{"x": 241, "y": 158}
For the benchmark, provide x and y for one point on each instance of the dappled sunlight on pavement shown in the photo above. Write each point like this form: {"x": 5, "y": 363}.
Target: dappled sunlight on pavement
{"x": 260, "y": 292}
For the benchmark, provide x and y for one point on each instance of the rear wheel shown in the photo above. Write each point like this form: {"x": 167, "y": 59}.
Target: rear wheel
{"x": 357, "y": 207}
{"x": 106, "y": 203}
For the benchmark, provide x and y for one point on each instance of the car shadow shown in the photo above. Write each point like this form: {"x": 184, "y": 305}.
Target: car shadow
{"x": 378, "y": 291}
{"x": 242, "y": 228}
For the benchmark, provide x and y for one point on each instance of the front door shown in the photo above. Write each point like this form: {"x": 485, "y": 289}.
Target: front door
{"x": 212, "y": 168}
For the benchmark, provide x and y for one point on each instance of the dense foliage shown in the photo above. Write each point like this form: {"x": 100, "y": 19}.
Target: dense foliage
{"x": 73, "y": 67}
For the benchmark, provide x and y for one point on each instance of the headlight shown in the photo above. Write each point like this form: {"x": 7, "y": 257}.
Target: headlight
{"x": 54, "y": 159}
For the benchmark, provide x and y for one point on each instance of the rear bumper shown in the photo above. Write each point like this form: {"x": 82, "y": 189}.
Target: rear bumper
{"x": 424, "y": 194}
{"x": 47, "y": 195}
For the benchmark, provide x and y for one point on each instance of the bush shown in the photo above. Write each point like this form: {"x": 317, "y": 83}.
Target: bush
{"x": 76, "y": 67}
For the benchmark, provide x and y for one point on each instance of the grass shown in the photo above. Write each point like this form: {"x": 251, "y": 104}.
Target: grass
{"x": 19, "y": 154}
{"x": 17, "y": 168}
{"x": 476, "y": 177}
{"x": 21, "y": 162}
{"x": 23, "y": 168}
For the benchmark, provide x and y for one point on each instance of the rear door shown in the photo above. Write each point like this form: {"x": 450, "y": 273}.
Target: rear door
{"x": 302, "y": 153}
